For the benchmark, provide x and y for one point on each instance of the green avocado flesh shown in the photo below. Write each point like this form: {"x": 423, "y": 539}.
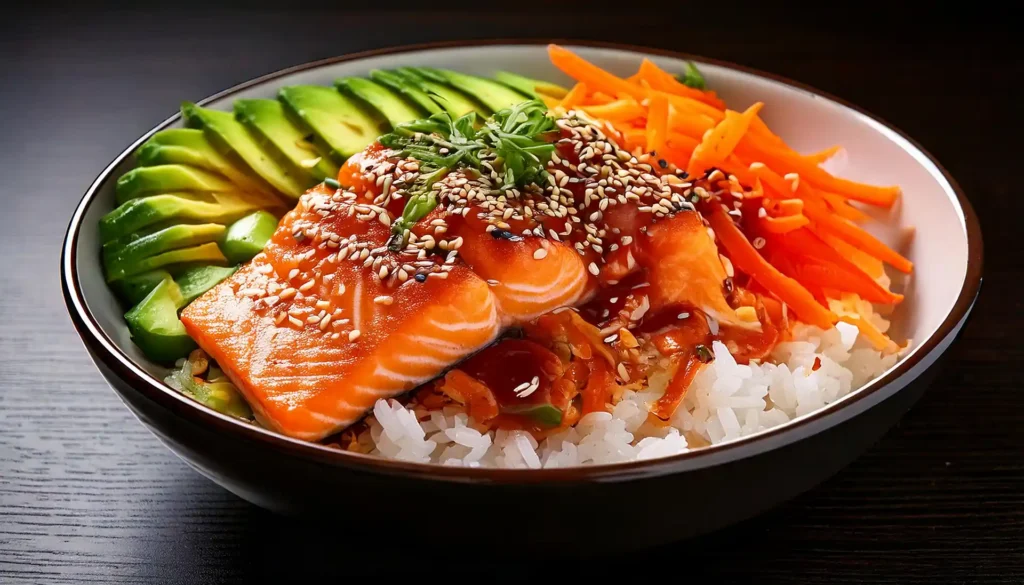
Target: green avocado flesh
{"x": 194, "y": 282}
{"x": 340, "y": 123}
{"x": 489, "y": 93}
{"x": 413, "y": 94}
{"x": 451, "y": 100}
{"x": 247, "y": 236}
{"x": 142, "y": 181}
{"x": 128, "y": 256}
{"x": 189, "y": 146}
{"x": 391, "y": 105}
{"x": 155, "y": 327}
{"x": 276, "y": 133}
{"x": 230, "y": 137}
{"x": 133, "y": 289}
{"x": 531, "y": 87}
{"x": 137, "y": 214}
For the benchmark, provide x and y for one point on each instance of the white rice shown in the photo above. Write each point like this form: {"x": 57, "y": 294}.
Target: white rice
{"x": 725, "y": 402}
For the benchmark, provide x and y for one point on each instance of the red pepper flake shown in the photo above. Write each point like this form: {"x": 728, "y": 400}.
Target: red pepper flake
{"x": 817, "y": 364}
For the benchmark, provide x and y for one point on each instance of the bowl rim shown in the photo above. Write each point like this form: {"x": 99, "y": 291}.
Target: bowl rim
{"x": 103, "y": 348}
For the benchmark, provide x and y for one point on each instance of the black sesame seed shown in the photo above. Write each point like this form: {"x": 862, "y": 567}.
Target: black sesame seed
{"x": 500, "y": 234}
{"x": 420, "y": 277}
{"x": 662, "y": 163}
{"x": 683, "y": 174}
{"x": 704, "y": 354}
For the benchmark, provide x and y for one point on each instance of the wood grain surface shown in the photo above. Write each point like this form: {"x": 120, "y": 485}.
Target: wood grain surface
{"x": 87, "y": 495}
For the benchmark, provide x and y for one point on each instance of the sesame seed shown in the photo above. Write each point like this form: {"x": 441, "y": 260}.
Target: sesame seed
{"x": 623, "y": 372}
{"x": 759, "y": 242}
{"x": 287, "y": 293}
{"x": 324, "y": 322}
{"x": 383, "y": 300}
{"x": 611, "y": 338}
{"x": 761, "y": 213}
{"x": 594, "y": 269}
{"x": 383, "y": 272}
{"x": 280, "y": 317}
{"x": 294, "y": 321}
{"x": 539, "y": 254}
{"x": 307, "y": 285}
{"x": 682, "y": 315}
{"x": 354, "y": 334}
{"x": 293, "y": 273}
{"x": 323, "y": 305}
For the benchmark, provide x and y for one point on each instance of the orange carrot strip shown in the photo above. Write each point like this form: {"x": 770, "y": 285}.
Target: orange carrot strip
{"x": 784, "y": 207}
{"x": 682, "y": 141}
{"x": 575, "y": 96}
{"x": 854, "y": 235}
{"x": 842, "y": 207}
{"x": 661, "y": 80}
{"x": 599, "y": 385}
{"x": 617, "y": 111}
{"x": 871, "y": 266}
{"x": 599, "y": 98}
{"x": 692, "y": 124}
{"x": 596, "y": 78}
{"x": 689, "y": 105}
{"x": 878, "y": 339}
{"x": 687, "y": 370}
{"x": 657, "y": 123}
{"x": 719, "y": 143}
{"x": 634, "y": 137}
{"x": 787, "y": 162}
{"x": 781, "y": 225}
{"x": 823, "y": 155}
{"x": 746, "y": 258}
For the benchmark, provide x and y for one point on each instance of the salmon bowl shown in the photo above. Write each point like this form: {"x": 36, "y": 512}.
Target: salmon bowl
{"x": 564, "y": 273}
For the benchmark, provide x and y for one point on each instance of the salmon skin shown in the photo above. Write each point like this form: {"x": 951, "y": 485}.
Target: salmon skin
{"x": 327, "y": 320}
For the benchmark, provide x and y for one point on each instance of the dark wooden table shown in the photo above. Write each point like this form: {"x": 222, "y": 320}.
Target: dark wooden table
{"x": 88, "y": 495}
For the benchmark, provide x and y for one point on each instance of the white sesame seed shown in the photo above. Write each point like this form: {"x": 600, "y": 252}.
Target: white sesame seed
{"x": 287, "y": 293}
{"x": 623, "y": 372}
{"x": 354, "y": 334}
{"x": 539, "y": 254}
{"x": 383, "y": 272}
{"x": 594, "y": 269}
{"x": 759, "y": 242}
{"x": 383, "y": 300}
{"x": 307, "y": 285}
{"x": 294, "y": 321}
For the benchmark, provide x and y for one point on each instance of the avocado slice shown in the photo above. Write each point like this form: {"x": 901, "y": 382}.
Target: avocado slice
{"x": 155, "y": 327}
{"x": 390, "y": 104}
{"x": 133, "y": 289}
{"x": 142, "y": 181}
{"x": 195, "y": 281}
{"x": 489, "y": 93}
{"x": 412, "y": 93}
{"x": 229, "y": 136}
{"x": 208, "y": 253}
{"x": 123, "y": 255}
{"x": 268, "y": 121}
{"x": 144, "y": 212}
{"x": 451, "y": 100}
{"x": 189, "y": 146}
{"x": 534, "y": 88}
{"x": 341, "y": 123}
{"x": 247, "y": 236}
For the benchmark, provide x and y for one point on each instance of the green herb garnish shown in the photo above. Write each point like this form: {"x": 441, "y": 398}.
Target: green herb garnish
{"x": 515, "y": 142}
{"x": 692, "y": 77}
{"x": 704, "y": 354}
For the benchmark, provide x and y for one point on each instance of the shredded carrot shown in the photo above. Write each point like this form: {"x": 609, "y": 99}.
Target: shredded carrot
{"x": 618, "y": 111}
{"x": 722, "y": 139}
{"x": 746, "y": 258}
{"x": 823, "y": 155}
{"x": 661, "y": 80}
{"x": 575, "y": 96}
{"x": 683, "y": 142}
{"x": 599, "y": 386}
{"x": 871, "y": 266}
{"x": 782, "y": 225}
{"x": 657, "y": 124}
{"x": 783, "y": 207}
{"x": 600, "y": 97}
{"x": 842, "y": 207}
{"x": 596, "y": 78}
{"x": 665, "y": 407}
{"x": 859, "y": 238}
{"x": 878, "y": 339}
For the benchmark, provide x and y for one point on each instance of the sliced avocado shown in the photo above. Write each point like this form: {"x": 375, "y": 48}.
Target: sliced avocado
{"x": 208, "y": 253}
{"x": 189, "y": 146}
{"x": 142, "y": 181}
{"x": 412, "y": 93}
{"x": 155, "y": 326}
{"x": 247, "y": 236}
{"x": 138, "y": 214}
{"x": 341, "y": 123}
{"x": 195, "y": 281}
{"x": 451, "y": 100}
{"x": 229, "y": 136}
{"x": 133, "y": 289}
{"x": 269, "y": 122}
{"x": 534, "y": 88}
{"x": 489, "y": 93}
{"x": 395, "y": 108}
{"x": 121, "y": 257}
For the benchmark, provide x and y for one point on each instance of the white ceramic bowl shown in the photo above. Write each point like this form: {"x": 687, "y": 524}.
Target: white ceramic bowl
{"x": 933, "y": 225}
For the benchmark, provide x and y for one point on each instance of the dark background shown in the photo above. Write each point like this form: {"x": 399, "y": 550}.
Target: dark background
{"x": 88, "y": 495}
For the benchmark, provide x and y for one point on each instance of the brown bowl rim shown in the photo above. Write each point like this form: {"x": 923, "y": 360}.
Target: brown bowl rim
{"x": 103, "y": 347}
